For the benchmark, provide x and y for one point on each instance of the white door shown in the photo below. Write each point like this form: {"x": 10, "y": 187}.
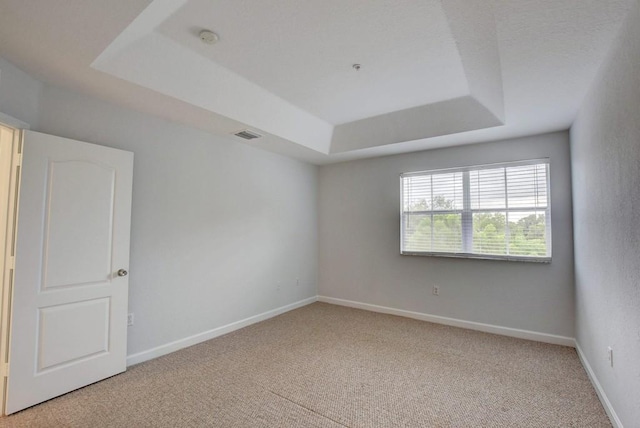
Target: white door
{"x": 69, "y": 314}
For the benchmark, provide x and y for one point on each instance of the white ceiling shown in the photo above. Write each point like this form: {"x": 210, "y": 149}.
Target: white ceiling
{"x": 434, "y": 73}
{"x": 304, "y": 51}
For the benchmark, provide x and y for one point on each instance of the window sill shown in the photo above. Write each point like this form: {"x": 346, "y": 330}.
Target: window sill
{"x": 545, "y": 260}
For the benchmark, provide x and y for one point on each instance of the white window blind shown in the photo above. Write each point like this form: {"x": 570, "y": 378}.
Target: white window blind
{"x": 497, "y": 211}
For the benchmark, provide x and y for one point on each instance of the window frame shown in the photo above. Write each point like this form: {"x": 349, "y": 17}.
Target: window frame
{"x": 467, "y": 213}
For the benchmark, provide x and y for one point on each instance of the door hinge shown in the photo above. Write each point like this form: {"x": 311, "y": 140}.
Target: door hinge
{"x": 4, "y": 369}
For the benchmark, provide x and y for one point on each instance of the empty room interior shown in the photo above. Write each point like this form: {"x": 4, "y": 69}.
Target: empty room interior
{"x": 327, "y": 213}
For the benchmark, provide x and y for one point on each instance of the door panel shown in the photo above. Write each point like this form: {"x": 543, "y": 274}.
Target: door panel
{"x": 68, "y": 326}
{"x": 84, "y": 211}
{"x": 63, "y": 340}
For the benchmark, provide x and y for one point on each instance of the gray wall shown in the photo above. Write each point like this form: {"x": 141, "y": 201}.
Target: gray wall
{"x": 359, "y": 229}
{"x": 605, "y": 156}
{"x": 19, "y": 94}
{"x": 220, "y": 230}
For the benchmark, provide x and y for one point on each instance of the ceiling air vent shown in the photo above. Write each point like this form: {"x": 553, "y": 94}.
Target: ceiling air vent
{"x": 247, "y": 135}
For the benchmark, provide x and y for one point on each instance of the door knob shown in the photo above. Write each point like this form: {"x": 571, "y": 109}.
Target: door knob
{"x": 122, "y": 272}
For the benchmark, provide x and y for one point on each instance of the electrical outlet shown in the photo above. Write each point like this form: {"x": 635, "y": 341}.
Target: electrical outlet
{"x": 297, "y": 282}
{"x": 130, "y": 319}
{"x": 610, "y": 355}
{"x": 436, "y": 290}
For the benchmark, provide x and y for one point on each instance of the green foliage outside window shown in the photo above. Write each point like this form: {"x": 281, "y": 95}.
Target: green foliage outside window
{"x": 526, "y": 235}
{"x": 447, "y": 228}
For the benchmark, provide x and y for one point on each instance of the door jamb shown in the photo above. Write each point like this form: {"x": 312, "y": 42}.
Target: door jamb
{"x": 7, "y": 240}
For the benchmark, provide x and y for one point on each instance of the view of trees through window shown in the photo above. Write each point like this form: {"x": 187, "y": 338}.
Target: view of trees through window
{"x": 442, "y": 234}
{"x": 434, "y": 222}
{"x": 526, "y": 234}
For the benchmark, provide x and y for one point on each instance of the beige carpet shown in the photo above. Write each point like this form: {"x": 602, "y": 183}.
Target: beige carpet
{"x": 329, "y": 366}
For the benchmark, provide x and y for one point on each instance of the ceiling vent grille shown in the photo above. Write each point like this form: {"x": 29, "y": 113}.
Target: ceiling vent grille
{"x": 247, "y": 135}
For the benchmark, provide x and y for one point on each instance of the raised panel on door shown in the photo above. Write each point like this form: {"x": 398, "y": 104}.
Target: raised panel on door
{"x": 86, "y": 211}
{"x": 68, "y": 326}
{"x": 62, "y": 340}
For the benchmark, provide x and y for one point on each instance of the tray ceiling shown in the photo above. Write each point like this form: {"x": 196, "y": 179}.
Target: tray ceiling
{"x": 433, "y": 73}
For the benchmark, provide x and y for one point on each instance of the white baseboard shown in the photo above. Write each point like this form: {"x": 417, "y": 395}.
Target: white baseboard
{"x": 219, "y": 331}
{"x": 487, "y": 328}
{"x": 210, "y": 334}
{"x": 615, "y": 421}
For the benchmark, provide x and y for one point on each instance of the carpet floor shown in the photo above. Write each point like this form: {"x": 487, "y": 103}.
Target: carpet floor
{"x": 329, "y": 366}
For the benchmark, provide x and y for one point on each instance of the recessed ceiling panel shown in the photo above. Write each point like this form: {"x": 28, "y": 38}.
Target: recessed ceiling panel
{"x": 303, "y": 52}
{"x": 432, "y": 120}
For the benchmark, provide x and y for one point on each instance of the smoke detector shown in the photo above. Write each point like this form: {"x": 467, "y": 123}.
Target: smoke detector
{"x": 208, "y": 37}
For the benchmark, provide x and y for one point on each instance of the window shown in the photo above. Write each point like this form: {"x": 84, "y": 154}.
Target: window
{"x": 498, "y": 211}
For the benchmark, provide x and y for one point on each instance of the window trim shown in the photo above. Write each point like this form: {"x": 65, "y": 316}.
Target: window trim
{"x": 466, "y": 212}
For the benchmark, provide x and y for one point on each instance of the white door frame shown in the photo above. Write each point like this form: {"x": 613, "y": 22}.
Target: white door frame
{"x": 10, "y": 170}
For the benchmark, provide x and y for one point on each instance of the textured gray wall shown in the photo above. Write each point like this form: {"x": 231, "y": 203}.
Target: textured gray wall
{"x": 605, "y": 156}
{"x": 359, "y": 229}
